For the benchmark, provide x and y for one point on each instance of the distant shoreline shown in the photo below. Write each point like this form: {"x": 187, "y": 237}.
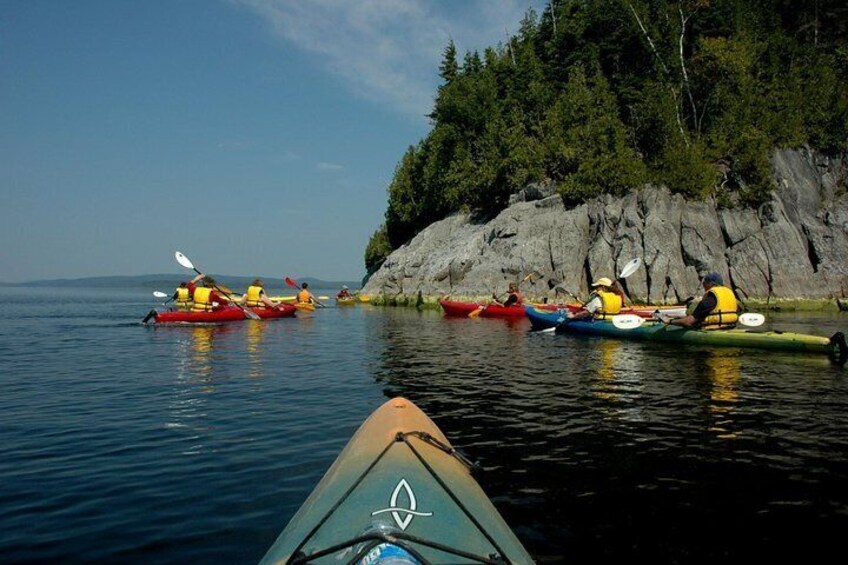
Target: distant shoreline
{"x": 169, "y": 280}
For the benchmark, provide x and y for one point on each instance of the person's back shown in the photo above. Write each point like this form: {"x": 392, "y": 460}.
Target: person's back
{"x": 304, "y": 295}
{"x": 717, "y": 310}
{"x": 204, "y": 298}
{"x": 254, "y": 295}
{"x": 182, "y": 297}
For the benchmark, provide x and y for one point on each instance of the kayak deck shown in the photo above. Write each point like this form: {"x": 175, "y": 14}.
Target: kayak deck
{"x": 398, "y": 479}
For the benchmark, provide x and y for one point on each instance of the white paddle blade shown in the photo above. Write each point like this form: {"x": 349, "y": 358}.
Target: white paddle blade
{"x": 752, "y": 319}
{"x": 630, "y": 268}
{"x": 184, "y": 261}
{"x": 159, "y": 294}
{"x": 548, "y": 330}
{"x": 627, "y": 321}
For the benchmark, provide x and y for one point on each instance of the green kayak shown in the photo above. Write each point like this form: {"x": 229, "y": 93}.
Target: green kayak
{"x": 833, "y": 346}
{"x": 398, "y": 493}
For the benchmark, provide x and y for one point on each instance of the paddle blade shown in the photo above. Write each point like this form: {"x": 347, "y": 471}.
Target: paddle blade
{"x": 630, "y": 268}
{"x": 476, "y": 312}
{"x": 159, "y": 294}
{"x": 250, "y": 314}
{"x": 627, "y": 321}
{"x": 291, "y": 283}
{"x": 751, "y": 319}
{"x": 184, "y": 261}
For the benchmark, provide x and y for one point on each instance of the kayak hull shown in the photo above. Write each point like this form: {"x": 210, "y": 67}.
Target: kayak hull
{"x": 656, "y": 331}
{"x": 228, "y": 314}
{"x": 459, "y": 309}
{"x": 380, "y": 481}
{"x": 346, "y": 301}
{"x": 304, "y": 306}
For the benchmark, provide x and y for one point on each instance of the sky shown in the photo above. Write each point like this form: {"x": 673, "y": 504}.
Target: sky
{"x": 258, "y": 137}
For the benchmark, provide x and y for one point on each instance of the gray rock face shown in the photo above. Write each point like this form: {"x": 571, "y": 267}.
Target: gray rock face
{"x": 794, "y": 246}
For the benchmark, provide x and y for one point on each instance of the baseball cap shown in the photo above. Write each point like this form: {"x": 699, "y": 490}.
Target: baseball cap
{"x": 713, "y": 278}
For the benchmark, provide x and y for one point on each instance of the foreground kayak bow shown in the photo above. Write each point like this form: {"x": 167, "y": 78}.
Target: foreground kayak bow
{"x": 398, "y": 485}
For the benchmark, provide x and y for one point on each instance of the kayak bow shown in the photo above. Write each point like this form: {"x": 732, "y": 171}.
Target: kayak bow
{"x": 398, "y": 482}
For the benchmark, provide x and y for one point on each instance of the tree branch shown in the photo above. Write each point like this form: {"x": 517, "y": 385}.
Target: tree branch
{"x": 683, "y": 21}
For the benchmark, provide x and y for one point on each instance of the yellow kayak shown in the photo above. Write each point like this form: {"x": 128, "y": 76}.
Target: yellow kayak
{"x": 363, "y": 298}
{"x": 305, "y": 306}
{"x": 346, "y": 301}
{"x": 283, "y": 298}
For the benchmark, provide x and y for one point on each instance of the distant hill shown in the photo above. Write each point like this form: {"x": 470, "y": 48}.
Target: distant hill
{"x": 168, "y": 281}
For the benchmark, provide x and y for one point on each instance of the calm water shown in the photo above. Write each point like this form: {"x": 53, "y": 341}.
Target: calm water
{"x": 167, "y": 445}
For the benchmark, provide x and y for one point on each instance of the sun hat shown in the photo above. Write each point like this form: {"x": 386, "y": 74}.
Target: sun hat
{"x": 603, "y": 281}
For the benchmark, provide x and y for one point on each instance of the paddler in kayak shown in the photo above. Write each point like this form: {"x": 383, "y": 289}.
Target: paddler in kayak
{"x": 305, "y": 297}
{"x": 344, "y": 293}
{"x": 513, "y": 297}
{"x": 204, "y": 295}
{"x": 182, "y": 297}
{"x": 717, "y": 310}
{"x": 256, "y": 297}
{"x": 606, "y": 301}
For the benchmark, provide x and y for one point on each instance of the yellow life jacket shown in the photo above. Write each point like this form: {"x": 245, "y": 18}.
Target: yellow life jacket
{"x": 254, "y": 297}
{"x": 610, "y": 305}
{"x": 201, "y": 300}
{"x": 725, "y": 313}
{"x": 304, "y": 296}
{"x": 183, "y": 299}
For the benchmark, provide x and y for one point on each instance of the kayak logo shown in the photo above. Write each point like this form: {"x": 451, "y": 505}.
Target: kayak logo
{"x": 408, "y": 512}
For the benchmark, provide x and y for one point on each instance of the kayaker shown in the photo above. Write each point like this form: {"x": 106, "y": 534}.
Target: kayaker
{"x": 304, "y": 296}
{"x": 182, "y": 297}
{"x": 717, "y": 310}
{"x": 606, "y": 301}
{"x": 204, "y": 295}
{"x": 256, "y": 297}
{"x": 513, "y": 297}
{"x": 344, "y": 293}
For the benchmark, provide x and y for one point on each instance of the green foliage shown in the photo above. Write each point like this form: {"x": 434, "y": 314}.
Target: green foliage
{"x": 601, "y": 96}
{"x": 377, "y": 250}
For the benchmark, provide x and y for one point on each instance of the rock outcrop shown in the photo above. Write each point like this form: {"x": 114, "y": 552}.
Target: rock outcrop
{"x": 795, "y": 246}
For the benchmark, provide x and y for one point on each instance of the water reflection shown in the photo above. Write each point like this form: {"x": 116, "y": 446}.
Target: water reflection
{"x": 618, "y": 381}
{"x": 724, "y": 373}
{"x": 255, "y": 335}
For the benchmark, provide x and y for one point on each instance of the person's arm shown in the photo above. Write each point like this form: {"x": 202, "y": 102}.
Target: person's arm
{"x": 702, "y": 310}
{"x": 511, "y": 299}
{"x": 588, "y": 310}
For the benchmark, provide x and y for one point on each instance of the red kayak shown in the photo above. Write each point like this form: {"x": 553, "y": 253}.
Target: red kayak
{"x": 453, "y": 308}
{"x": 227, "y": 314}
{"x": 463, "y": 309}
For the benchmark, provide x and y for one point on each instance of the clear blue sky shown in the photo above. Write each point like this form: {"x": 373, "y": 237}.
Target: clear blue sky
{"x": 256, "y": 136}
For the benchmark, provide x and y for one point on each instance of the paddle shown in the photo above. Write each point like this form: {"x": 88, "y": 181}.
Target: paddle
{"x": 632, "y": 321}
{"x": 186, "y": 262}
{"x": 160, "y": 294}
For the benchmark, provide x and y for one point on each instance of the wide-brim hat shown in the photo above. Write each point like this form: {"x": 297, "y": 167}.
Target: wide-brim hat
{"x": 603, "y": 281}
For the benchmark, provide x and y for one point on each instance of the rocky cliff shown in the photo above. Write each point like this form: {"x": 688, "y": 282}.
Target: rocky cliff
{"x": 794, "y": 246}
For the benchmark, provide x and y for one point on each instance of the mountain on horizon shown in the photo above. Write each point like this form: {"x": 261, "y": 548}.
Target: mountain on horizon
{"x": 166, "y": 280}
